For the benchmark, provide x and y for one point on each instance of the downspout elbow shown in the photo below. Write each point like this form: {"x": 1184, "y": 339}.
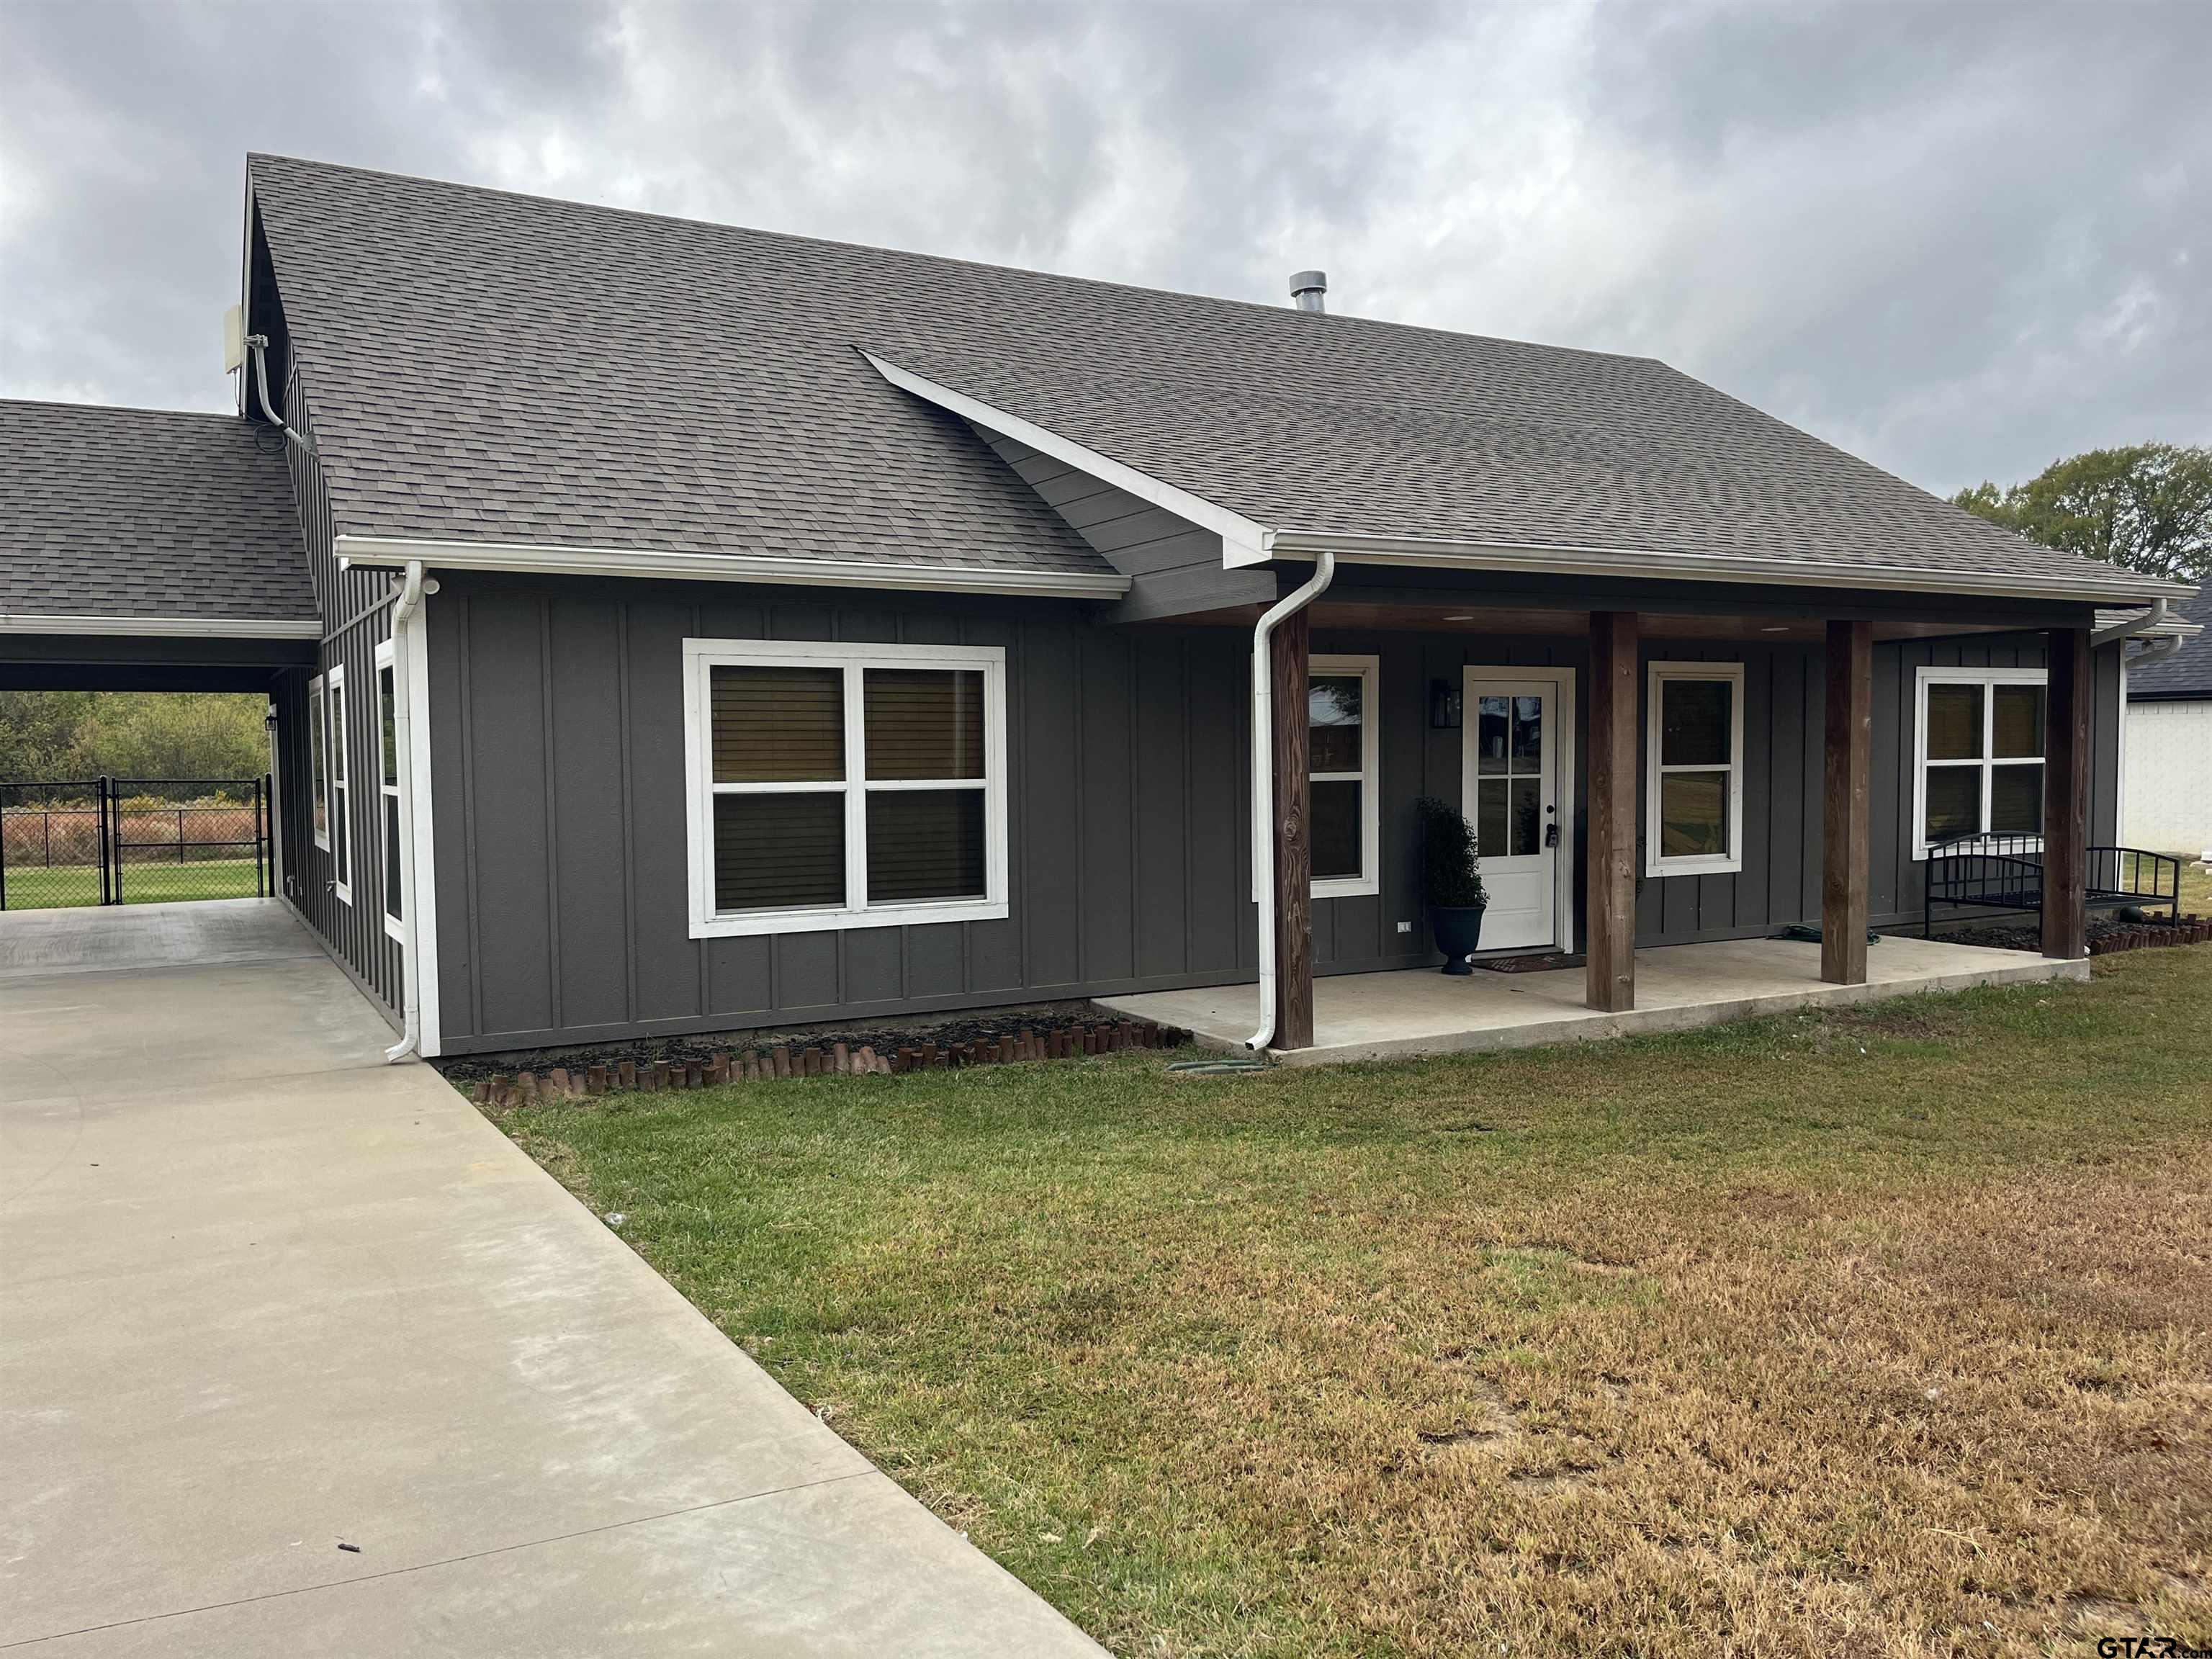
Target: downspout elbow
{"x": 2125, "y": 630}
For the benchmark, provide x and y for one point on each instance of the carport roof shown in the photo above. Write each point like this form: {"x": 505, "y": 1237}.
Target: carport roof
{"x": 147, "y": 520}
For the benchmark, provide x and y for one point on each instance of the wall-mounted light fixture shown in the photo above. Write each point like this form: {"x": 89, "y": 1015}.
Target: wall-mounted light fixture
{"x": 1447, "y": 706}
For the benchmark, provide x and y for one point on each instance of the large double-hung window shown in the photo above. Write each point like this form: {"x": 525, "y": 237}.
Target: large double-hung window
{"x": 843, "y": 786}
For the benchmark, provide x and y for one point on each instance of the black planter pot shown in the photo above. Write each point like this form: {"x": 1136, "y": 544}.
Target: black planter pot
{"x": 1458, "y": 928}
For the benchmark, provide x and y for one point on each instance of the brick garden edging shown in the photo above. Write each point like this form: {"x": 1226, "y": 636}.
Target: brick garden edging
{"x": 833, "y": 1059}
{"x": 2191, "y": 929}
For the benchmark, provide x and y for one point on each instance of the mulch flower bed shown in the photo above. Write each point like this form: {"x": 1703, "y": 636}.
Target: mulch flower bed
{"x": 579, "y": 1074}
{"x": 2107, "y": 934}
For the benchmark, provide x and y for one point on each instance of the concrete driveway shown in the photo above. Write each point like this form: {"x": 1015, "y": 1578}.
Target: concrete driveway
{"x": 263, "y": 1296}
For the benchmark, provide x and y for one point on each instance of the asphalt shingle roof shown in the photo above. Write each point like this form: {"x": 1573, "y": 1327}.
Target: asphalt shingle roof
{"x": 493, "y": 366}
{"x": 146, "y": 513}
{"x": 2188, "y": 671}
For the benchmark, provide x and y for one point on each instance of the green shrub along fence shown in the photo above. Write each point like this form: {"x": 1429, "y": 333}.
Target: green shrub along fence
{"x": 133, "y": 840}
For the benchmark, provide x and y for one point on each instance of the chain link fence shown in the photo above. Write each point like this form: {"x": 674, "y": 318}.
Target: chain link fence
{"x": 133, "y": 840}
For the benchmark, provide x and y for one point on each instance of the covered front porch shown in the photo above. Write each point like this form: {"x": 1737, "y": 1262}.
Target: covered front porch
{"x": 1678, "y": 988}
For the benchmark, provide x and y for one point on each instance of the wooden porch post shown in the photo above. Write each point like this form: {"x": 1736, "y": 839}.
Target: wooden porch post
{"x": 1847, "y": 827}
{"x": 2066, "y": 796}
{"x": 1610, "y": 885}
{"x": 1294, "y": 1002}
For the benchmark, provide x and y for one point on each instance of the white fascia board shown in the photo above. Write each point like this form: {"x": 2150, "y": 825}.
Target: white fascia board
{"x": 1243, "y": 541}
{"x": 212, "y": 628}
{"x": 1564, "y": 561}
{"x": 390, "y": 552}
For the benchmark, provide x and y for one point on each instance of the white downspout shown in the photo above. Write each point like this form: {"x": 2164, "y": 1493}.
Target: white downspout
{"x": 1263, "y": 781}
{"x": 410, "y": 977}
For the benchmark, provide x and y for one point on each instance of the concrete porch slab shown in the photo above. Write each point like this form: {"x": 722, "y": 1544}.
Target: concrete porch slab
{"x": 1678, "y": 988}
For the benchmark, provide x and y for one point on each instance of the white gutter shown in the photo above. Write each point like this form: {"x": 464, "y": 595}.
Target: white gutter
{"x": 410, "y": 976}
{"x": 1544, "y": 559}
{"x": 1263, "y": 780}
{"x": 196, "y": 628}
{"x": 536, "y": 559}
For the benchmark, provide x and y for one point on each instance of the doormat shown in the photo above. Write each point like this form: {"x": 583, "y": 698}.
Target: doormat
{"x": 1542, "y": 962}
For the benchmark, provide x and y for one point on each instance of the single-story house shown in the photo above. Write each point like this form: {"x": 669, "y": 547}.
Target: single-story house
{"x": 673, "y": 628}
{"x": 2165, "y": 744}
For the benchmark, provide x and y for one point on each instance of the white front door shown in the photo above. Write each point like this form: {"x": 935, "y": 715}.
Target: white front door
{"x": 1515, "y": 753}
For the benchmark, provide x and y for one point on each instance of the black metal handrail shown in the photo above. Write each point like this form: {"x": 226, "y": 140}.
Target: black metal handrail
{"x": 2006, "y": 873}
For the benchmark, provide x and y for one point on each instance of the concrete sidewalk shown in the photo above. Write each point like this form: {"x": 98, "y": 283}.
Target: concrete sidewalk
{"x": 262, "y": 1294}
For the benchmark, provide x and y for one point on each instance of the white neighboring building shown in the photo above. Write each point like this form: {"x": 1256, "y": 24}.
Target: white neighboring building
{"x": 2166, "y": 749}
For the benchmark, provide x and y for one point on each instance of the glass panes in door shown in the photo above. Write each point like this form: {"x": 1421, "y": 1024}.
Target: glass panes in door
{"x": 1509, "y": 790}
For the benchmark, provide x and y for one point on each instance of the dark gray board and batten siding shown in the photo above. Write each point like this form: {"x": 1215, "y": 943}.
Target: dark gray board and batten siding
{"x": 557, "y": 738}
{"x": 558, "y": 735}
{"x": 356, "y": 606}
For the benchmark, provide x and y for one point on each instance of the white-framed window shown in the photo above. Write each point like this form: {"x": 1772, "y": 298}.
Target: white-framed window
{"x": 843, "y": 786}
{"x": 341, "y": 820}
{"x": 1977, "y": 754}
{"x": 1343, "y": 721}
{"x": 319, "y": 763}
{"x": 1694, "y": 769}
{"x": 387, "y": 788}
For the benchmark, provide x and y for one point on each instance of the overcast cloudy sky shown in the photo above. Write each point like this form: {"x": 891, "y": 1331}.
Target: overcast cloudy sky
{"x": 1959, "y": 239}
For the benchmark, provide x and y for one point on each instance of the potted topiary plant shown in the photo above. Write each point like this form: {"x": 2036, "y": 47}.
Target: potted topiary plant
{"x": 1454, "y": 884}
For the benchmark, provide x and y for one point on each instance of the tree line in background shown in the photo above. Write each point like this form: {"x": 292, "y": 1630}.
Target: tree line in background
{"x": 2146, "y": 507}
{"x": 52, "y": 735}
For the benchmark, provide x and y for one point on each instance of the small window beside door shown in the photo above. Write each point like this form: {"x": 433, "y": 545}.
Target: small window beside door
{"x": 1342, "y": 721}
{"x": 1694, "y": 769}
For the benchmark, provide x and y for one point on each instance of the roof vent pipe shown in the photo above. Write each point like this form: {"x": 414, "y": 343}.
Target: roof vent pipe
{"x": 1306, "y": 288}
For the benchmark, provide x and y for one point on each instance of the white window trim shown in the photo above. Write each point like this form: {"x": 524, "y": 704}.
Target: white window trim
{"x": 702, "y": 655}
{"x": 1704, "y": 864}
{"x": 393, "y": 927}
{"x": 1987, "y": 678}
{"x": 338, "y": 766}
{"x": 319, "y": 787}
{"x": 1368, "y": 777}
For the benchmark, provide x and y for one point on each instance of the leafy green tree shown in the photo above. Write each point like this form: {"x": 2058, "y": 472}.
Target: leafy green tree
{"x": 49, "y": 735}
{"x": 2145, "y": 507}
{"x": 38, "y": 733}
{"x": 197, "y": 734}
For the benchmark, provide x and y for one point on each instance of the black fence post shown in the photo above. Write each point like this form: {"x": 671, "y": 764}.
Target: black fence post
{"x": 258, "y": 784}
{"x": 111, "y": 862}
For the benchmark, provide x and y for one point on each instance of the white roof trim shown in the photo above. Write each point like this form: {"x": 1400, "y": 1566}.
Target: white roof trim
{"x": 537, "y": 560}
{"x": 1243, "y": 541}
{"x": 1561, "y": 561}
{"x": 213, "y": 628}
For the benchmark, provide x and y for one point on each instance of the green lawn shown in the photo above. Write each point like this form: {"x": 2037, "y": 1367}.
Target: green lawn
{"x": 35, "y": 887}
{"x": 1884, "y": 1331}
